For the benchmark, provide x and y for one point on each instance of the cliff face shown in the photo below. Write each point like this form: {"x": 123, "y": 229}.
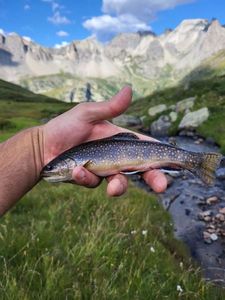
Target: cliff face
{"x": 145, "y": 60}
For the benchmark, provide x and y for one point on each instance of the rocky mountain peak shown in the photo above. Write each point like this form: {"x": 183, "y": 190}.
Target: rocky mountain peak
{"x": 192, "y": 25}
{"x": 143, "y": 59}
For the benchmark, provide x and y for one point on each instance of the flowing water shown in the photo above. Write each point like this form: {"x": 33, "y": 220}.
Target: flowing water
{"x": 196, "y": 212}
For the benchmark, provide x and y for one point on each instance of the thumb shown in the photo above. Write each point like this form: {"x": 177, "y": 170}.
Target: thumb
{"x": 109, "y": 109}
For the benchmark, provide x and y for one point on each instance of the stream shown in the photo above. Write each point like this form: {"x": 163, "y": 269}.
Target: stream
{"x": 198, "y": 211}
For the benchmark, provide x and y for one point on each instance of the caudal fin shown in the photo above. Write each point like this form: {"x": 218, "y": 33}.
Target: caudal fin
{"x": 207, "y": 167}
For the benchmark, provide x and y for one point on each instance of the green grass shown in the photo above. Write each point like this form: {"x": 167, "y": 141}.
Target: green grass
{"x": 16, "y": 116}
{"x": 67, "y": 242}
{"x": 20, "y": 108}
{"x": 63, "y": 242}
{"x": 15, "y": 92}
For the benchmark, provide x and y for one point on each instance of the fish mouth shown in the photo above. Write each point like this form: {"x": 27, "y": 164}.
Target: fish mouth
{"x": 54, "y": 177}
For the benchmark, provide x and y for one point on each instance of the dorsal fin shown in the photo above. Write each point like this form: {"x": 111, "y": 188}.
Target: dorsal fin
{"x": 124, "y": 135}
{"x": 173, "y": 142}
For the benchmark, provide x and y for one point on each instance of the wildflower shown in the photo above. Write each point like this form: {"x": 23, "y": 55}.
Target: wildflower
{"x": 144, "y": 232}
{"x": 152, "y": 249}
{"x": 133, "y": 231}
{"x": 179, "y": 288}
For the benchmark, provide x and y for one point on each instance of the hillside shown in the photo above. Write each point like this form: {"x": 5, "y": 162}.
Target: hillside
{"x": 14, "y": 92}
{"x": 20, "y": 108}
{"x": 208, "y": 93}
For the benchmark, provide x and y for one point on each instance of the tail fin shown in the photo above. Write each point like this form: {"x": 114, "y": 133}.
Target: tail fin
{"x": 207, "y": 167}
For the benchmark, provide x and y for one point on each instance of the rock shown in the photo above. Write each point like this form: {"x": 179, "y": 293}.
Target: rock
{"x": 220, "y": 217}
{"x": 222, "y": 211}
{"x": 189, "y": 133}
{"x": 185, "y": 104}
{"x": 127, "y": 120}
{"x": 194, "y": 119}
{"x": 213, "y": 237}
{"x": 173, "y": 116}
{"x": 172, "y": 107}
{"x": 206, "y": 237}
{"x": 205, "y": 215}
{"x": 153, "y": 111}
{"x": 212, "y": 200}
{"x": 211, "y": 226}
{"x": 199, "y": 141}
{"x": 220, "y": 173}
{"x": 161, "y": 126}
{"x": 201, "y": 203}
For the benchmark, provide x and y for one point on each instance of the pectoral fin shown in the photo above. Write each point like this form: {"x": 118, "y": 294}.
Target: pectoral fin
{"x": 87, "y": 163}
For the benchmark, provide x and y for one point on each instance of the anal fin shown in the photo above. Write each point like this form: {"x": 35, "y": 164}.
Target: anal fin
{"x": 129, "y": 172}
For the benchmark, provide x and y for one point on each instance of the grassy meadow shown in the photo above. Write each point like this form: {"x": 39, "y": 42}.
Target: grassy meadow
{"x": 67, "y": 242}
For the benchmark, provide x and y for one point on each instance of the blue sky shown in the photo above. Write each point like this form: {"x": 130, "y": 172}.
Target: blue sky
{"x": 51, "y": 22}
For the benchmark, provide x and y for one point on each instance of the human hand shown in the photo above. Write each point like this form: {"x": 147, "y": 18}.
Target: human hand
{"x": 85, "y": 122}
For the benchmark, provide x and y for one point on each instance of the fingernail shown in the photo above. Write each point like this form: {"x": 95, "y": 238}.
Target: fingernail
{"x": 81, "y": 174}
{"x": 120, "y": 188}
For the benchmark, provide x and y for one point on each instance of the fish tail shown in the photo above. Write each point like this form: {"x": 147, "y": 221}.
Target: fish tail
{"x": 207, "y": 167}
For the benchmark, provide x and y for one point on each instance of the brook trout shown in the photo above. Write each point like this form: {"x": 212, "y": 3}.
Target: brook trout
{"x": 126, "y": 153}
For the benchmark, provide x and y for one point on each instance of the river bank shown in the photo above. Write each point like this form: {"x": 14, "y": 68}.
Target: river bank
{"x": 198, "y": 211}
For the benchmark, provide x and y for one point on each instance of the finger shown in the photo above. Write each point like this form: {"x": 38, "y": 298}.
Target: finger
{"x": 82, "y": 176}
{"x": 156, "y": 180}
{"x": 109, "y": 109}
{"x": 117, "y": 185}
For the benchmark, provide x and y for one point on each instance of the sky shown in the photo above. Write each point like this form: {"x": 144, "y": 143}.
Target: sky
{"x": 53, "y": 23}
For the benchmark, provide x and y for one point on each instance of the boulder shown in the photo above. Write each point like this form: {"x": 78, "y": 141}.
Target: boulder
{"x": 173, "y": 116}
{"x": 161, "y": 126}
{"x": 194, "y": 119}
{"x": 127, "y": 120}
{"x": 153, "y": 111}
{"x": 185, "y": 104}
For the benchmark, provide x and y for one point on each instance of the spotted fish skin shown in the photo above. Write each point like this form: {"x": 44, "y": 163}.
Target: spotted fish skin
{"x": 125, "y": 152}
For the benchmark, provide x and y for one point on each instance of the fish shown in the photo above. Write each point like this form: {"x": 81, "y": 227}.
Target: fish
{"x": 125, "y": 153}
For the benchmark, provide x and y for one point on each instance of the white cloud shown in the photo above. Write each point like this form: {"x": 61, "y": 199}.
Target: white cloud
{"x": 105, "y": 26}
{"x": 27, "y": 7}
{"x": 127, "y": 16}
{"x": 58, "y": 19}
{"x": 142, "y": 9}
{"x": 62, "y": 33}
{"x": 63, "y": 44}
{"x": 55, "y": 6}
{"x": 2, "y": 32}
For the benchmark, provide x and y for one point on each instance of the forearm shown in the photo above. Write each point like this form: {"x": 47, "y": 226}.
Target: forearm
{"x": 21, "y": 160}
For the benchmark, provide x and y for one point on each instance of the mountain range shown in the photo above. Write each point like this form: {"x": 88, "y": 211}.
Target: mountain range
{"x": 90, "y": 70}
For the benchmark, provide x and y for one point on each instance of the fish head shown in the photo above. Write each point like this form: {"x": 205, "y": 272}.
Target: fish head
{"x": 58, "y": 170}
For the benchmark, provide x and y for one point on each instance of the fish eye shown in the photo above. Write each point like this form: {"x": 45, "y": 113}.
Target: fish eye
{"x": 48, "y": 168}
